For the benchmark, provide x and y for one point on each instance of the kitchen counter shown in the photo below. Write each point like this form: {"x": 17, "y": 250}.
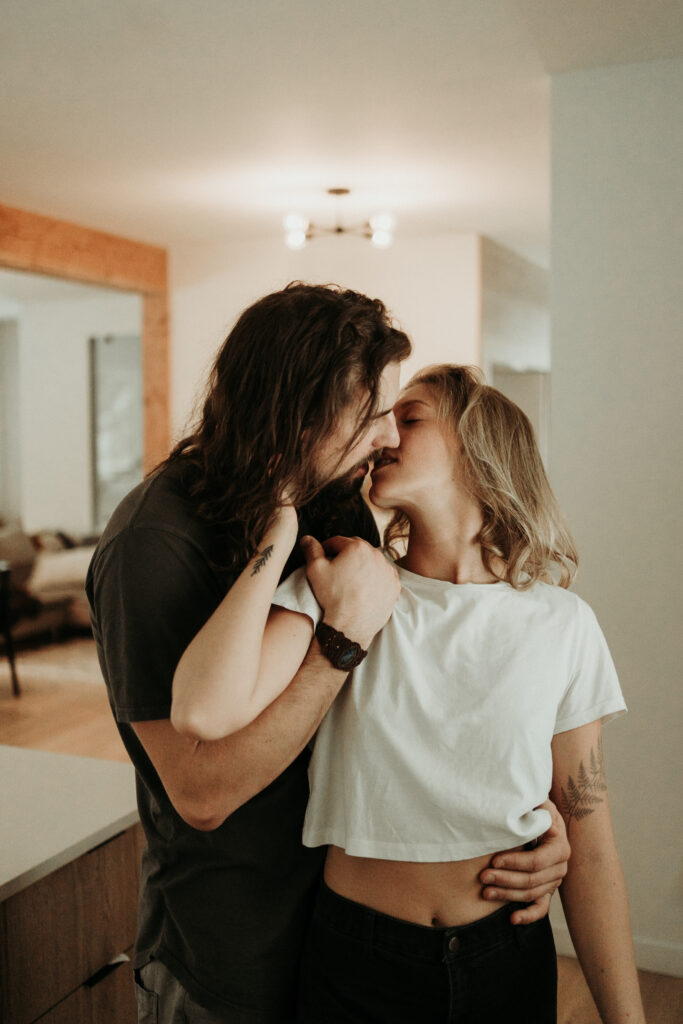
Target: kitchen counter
{"x": 55, "y": 807}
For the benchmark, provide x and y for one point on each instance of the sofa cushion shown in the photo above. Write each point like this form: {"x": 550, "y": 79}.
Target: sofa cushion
{"x": 60, "y": 572}
{"x": 17, "y": 549}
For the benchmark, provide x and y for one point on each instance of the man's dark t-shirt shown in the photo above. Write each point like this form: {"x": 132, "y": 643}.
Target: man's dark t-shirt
{"x": 224, "y": 910}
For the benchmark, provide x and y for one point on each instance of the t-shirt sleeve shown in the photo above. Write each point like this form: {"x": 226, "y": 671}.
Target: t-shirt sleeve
{"x": 150, "y": 592}
{"x": 295, "y": 593}
{"x": 593, "y": 691}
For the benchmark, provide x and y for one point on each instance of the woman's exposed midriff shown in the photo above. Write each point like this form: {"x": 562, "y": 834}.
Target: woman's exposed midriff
{"x": 439, "y": 895}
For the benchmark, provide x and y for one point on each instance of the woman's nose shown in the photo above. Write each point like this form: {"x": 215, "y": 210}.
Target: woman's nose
{"x": 389, "y": 435}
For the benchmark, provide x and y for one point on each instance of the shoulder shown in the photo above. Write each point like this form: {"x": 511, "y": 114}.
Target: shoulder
{"x": 162, "y": 500}
{"x": 543, "y": 610}
{"x": 155, "y": 518}
{"x": 569, "y": 604}
{"x": 573, "y": 619}
{"x": 555, "y": 598}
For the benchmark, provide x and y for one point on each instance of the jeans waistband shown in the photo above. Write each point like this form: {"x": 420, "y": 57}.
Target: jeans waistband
{"x": 427, "y": 943}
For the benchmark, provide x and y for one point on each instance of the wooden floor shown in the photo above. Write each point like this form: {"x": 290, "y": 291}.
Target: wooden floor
{"x": 64, "y": 708}
{"x": 63, "y": 705}
{"x": 662, "y": 996}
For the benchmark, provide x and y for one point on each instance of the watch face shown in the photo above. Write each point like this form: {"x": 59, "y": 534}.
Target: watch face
{"x": 348, "y": 658}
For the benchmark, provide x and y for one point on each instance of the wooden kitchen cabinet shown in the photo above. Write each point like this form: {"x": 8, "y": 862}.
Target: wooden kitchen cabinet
{"x": 110, "y": 1001}
{"x": 59, "y": 935}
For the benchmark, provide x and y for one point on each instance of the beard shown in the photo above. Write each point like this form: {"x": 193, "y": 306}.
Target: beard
{"x": 344, "y": 487}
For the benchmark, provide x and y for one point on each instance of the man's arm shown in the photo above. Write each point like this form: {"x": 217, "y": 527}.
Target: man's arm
{"x": 530, "y": 876}
{"x": 207, "y": 780}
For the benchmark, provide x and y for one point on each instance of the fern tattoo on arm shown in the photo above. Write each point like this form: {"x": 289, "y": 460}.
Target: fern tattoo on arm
{"x": 261, "y": 559}
{"x": 580, "y": 797}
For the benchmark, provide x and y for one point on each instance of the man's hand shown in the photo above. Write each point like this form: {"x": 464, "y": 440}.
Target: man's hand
{"x": 353, "y": 583}
{"x": 530, "y": 876}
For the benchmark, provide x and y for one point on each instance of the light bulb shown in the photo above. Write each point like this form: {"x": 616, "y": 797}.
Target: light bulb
{"x": 295, "y": 239}
{"x": 295, "y": 222}
{"x": 382, "y": 222}
{"x": 382, "y": 239}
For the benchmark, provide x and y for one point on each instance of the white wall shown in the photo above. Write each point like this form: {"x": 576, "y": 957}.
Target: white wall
{"x": 10, "y": 471}
{"x": 530, "y": 389}
{"x": 515, "y": 316}
{"x": 432, "y": 286}
{"x": 54, "y": 402}
{"x": 617, "y": 311}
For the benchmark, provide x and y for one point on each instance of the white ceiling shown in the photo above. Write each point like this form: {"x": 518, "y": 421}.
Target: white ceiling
{"x": 172, "y": 120}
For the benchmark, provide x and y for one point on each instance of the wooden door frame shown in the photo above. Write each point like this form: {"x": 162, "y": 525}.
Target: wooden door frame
{"x": 43, "y": 245}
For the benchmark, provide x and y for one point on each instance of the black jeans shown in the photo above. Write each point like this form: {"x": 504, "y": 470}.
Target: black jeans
{"x": 363, "y": 967}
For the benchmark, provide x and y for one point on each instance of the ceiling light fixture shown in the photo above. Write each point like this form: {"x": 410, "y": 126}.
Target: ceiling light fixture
{"x": 299, "y": 230}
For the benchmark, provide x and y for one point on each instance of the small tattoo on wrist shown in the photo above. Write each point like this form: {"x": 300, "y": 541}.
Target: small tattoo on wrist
{"x": 261, "y": 559}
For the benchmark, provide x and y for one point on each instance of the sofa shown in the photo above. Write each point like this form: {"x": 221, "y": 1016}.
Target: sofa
{"x": 47, "y": 581}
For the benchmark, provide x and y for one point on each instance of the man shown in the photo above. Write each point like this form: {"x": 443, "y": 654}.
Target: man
{"x": 299, "y": 400}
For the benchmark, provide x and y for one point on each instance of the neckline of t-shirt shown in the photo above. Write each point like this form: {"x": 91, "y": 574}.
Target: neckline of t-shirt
{"x": 431, "y": 581}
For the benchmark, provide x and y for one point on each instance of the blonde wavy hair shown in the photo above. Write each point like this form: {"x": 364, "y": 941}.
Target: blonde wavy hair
{"x": 523, "y": 523}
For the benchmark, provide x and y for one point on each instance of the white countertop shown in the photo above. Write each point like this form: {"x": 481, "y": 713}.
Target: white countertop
{"x": 54, "y": 807}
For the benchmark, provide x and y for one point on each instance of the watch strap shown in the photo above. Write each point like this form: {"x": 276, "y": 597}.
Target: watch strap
{"x": 341, "y": 652}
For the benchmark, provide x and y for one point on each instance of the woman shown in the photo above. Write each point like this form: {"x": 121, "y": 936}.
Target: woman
{"x": 486, "y": 689}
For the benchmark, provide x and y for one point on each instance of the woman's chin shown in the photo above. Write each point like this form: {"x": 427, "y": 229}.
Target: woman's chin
{"x": 379, "y": 497}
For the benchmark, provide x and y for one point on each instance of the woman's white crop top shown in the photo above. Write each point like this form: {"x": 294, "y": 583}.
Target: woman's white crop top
{"x": 438, "y": 747}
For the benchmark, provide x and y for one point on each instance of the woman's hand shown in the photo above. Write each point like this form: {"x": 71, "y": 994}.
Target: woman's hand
{"x": 530, "y": 876}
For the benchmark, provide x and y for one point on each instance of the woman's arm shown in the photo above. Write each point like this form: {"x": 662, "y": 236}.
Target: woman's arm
{"x": 594, "y": 892}
{"x": 225, "y": 678}
{"x": 247, "y": 653}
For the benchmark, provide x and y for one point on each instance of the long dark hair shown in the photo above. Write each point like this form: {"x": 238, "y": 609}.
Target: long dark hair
{"x": 292, "y": 362}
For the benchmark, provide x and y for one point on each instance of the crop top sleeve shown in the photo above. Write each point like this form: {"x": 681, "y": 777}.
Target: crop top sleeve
{"x": 295, "y": 593}
{"x": 593, "y": 690}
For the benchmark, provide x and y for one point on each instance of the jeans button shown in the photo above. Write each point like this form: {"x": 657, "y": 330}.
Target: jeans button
{"x": 453, "y": 944}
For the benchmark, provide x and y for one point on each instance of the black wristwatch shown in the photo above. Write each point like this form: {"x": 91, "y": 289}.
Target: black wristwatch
{"x": 341, "y": 652}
